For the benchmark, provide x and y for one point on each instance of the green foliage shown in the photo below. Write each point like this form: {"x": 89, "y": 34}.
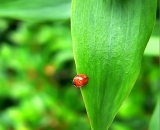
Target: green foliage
{"x": 37, "y": 66}
{"x": 109, "y": 38}
{"x": 153, "y": 44}
{"x": 154, "y": 123}
{"x": 37, "y": 10}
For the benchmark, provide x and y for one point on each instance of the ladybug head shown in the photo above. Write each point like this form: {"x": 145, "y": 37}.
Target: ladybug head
{"x": 73, "y": 83}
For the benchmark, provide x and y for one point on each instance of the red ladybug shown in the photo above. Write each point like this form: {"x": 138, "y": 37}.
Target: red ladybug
{"x": 80, "y": 80}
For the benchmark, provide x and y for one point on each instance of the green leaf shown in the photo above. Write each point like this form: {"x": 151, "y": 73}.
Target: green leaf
{"x": 152, "y": 48}
{"x": 38, "y": 10}
{"x": 109, "y": 38}
{"x": 155, "y": 120}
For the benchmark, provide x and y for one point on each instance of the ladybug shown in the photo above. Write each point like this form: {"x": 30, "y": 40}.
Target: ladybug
{"x": 80, "y": 80}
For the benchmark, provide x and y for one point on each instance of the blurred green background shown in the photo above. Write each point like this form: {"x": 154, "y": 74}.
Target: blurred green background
{"x": 37, "y": 67}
